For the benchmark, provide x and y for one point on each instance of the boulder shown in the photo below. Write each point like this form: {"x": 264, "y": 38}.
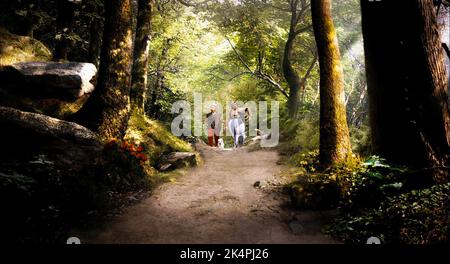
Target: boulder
{"x": 52, "y": 172}
{"x": 61, "y": 80}
{"x": 15, "y": 122}
{"x": 53, "y": 107}
{"x": 177, "y": 160}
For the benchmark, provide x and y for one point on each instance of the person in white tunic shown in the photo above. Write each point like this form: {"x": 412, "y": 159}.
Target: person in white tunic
{"x": 236, "y": 124}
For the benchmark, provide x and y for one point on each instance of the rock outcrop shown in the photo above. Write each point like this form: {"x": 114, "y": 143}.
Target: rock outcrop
{"x": 16, "y": 121}
{"x": 66, "y": 81}
{"x": 177, "y": 160}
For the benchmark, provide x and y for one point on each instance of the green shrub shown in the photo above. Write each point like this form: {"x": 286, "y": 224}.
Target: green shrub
{"x": 317, "y": 189}
{"x": 299, "y": 137}
{"x": 369, "y": 184}
{"x": 315, "y": 193}
{"x": 414, "y": 217}
{"x": 361, "y": 141}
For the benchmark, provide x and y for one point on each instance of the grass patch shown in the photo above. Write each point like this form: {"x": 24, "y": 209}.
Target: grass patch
{"x": 155, "y": 137}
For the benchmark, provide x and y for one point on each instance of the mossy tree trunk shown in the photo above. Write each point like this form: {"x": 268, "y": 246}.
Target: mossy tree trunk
{"x": 407, "y": 82}
{"x": 107, "y": 110}
{"x": 141, "y": 52}
{"x": 334, "y": 135}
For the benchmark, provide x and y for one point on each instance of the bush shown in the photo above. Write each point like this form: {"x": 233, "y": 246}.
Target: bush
{"x": 374, "y": 199}
{"x": 385, "y": 201}
{"x": 299, "y": 137}
{"x": 313, "y": 193}
{"x": 360, "y": 138}
{"x": 370, "y": 183}
{"x": 316, "y": 189}
{"x": 414, "y": 217}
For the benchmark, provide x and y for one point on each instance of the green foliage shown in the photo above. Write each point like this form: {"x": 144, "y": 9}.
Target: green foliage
{"x": 302, "y": 136}
{"x": 374, "y": 199}
{"x": 371, "y": 183}
{"x": 319, "y": 189}
{"x": 413, "y": 217}
{"x": 314, "y": 189}
{"x": 161, "y": 108}
{"x": 361, "y": 140}
{"x": 22, "y": 16}
{"x": 38, "y": 17}
{"x": 299, "y": 137}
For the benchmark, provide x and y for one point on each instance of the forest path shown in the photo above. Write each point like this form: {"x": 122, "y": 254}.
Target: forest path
{"x": 217, "y": 202}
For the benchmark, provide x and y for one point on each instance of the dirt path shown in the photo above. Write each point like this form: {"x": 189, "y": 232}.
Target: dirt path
{"x": 217, "y": 203}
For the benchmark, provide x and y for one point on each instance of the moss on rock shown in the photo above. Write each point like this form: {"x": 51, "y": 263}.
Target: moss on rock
{"x": 15, "y": 48}
{"x": 155, "y": 137}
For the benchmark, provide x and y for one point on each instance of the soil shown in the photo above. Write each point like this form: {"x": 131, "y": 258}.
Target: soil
{"x": 234, "y": 197}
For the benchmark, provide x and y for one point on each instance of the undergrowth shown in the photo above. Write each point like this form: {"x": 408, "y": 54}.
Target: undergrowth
{"x": 374, "y": 198}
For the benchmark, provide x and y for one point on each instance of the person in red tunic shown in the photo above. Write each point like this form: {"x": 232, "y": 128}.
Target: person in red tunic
{"x": 213, "y": 125}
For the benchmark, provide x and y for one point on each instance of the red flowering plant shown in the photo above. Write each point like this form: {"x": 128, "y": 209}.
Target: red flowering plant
{"x": 130, "y": 157}
{"x": 136, "y": 151}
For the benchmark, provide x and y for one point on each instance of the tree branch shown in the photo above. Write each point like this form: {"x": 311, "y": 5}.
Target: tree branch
{"x": 308, "y": 72}
{"x": 256, "y": 73}
{"x": 190, "y": 4}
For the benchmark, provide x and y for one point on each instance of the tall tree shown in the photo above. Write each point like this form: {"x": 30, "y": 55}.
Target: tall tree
{"x": 334, "y": 135}
{"x": 409, "y": 109}
{"x": 107, "y": 110}
{"x": 141, "y": 52}
{"x": 298, "y": 10}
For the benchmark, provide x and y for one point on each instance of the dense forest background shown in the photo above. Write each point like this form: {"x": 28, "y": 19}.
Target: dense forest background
{"x": 364, "y": 119}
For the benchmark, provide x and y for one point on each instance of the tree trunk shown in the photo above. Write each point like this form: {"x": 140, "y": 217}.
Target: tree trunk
{"x": 154, "y": 108}
{"x": 334, "y": 135}
{"x": 291, "y": 77}
{"x": 298, "y": 10}
{"x": 107, "y": 110}
{"x": 141, "y": 51}
{"x": 64, "y": 24}
{"x": 407, "y": 84}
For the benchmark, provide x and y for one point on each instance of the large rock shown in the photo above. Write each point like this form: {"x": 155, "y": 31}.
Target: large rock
{"x": 65, "y": 81}
{"x": 177, "y": 160}
{"x": 18, "y": 125}
{"x": 52, "y": 172}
